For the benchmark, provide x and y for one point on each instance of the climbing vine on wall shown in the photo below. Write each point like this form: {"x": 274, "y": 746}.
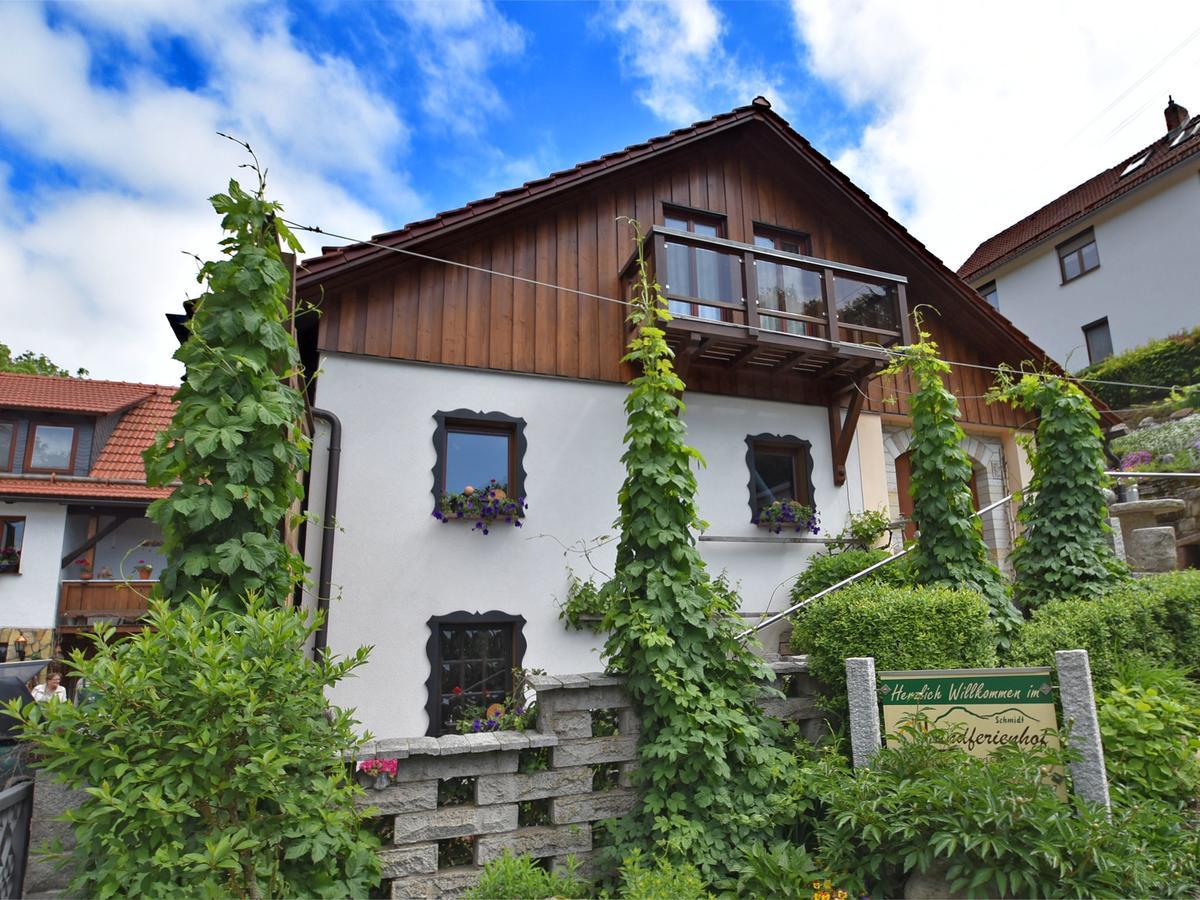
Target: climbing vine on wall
{"x": 707, "y": 767}
{"x": 235, "y": 446}
{"x": 950, "y": 548}
{"x": 1062, "y": 550}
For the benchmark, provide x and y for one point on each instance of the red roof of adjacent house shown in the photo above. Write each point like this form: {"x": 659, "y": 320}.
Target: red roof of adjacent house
{"x": 118, "y": 472}
{"x": 1079, "y": 202}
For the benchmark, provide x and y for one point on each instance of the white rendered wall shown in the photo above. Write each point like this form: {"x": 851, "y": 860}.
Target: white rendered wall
{"x": 137, "y": 539}
{"x": 30, "y": 599}
{"x": 395, "y": 565}
{"x": 1148, "y": 282}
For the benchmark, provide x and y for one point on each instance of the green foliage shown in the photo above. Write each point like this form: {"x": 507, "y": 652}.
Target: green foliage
{"x": 210, "y": 759}
{"x": 660, "y": 879}
{"x": 1154, "y": 619}
{"x": 1061, "y": 550}
{"x": 235, "y": 444}
{"x": 866, "y": 528}
{"x": 792, "y": 514}
{"x": 783, "y": 871}
{"x": 585, "y": 604}
{"x": 992, "y": 824}
{"x": 1177, "y": 440}
{"x": 826, "y": 571}
{"x": 511, "y": 877}
{"x": 903, "y": 628}
{"x": 30, "y": 363}
{"x": 950, "y": 548}
{"x": 1173, "y": 360}
{"x": 1150, "y": 724}
{"x": 707, "y": 764}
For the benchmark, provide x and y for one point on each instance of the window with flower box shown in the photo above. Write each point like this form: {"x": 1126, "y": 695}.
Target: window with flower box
{"x": 471, "y": 662}
{"x": 781, "y": 469}
{"x": 479, "y": 473}
{"x": 12, "y": 534}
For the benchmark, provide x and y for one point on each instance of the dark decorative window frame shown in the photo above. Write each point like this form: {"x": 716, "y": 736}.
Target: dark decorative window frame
{"x": 12, "y": 568}
{"x": 780, "y": 440}
{"x": 497, "y": 421}
{"x": 434, "y": 656}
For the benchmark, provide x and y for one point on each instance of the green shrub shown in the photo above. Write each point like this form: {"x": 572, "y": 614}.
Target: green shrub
{"x": 212, "y": 761}
{"x": 1150, "y": 723}
{"x": 511, "y": 877}
{"x": 989, "y": 824}
{"x": 1173, "y": 360}
{"x": 660, "y": 879}
{"x": 783, "y": 871}
{"x": 903, "y": 628}
{"x": 826, "y": 571}
{"x": 1154, "y": 619}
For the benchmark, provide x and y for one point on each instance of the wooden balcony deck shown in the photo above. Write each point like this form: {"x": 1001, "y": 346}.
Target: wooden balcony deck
{"x": 82, "y": 604}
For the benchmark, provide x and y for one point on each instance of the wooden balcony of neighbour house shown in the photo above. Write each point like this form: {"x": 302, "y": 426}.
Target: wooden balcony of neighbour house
{"x": 83, "y": 604}
{"x": 742, "y": 307}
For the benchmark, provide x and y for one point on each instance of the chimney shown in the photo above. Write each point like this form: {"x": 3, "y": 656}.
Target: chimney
{"x": 1176, "y": 114}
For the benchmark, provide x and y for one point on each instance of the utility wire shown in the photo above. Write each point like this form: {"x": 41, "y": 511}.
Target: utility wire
{"x": 314, "y": 229}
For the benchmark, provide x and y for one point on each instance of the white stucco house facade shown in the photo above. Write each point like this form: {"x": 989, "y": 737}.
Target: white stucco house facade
{"x": 1112, "y": 263}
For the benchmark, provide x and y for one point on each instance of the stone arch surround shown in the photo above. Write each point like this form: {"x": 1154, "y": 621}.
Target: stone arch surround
{"x": 987, "y": 456}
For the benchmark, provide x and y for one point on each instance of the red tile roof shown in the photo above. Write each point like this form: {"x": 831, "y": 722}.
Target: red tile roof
{"x": 118, "y": 470}
{"x": 1081, "y": 201}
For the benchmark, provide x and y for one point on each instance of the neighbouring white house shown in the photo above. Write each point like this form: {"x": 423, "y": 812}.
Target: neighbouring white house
{"x": 495, "y": 354}
{"x": 1112, "y": 263}
{"x": 73, "y": 497}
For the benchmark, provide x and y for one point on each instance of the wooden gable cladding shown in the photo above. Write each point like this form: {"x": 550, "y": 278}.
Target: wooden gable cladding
{"x": 431, "y": 312}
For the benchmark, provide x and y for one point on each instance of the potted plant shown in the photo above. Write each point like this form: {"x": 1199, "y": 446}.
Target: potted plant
{"x": 105, "y": 572}
{"x": 144, "y": 569}
{"x": 485, "y": 506}
{"x": 85, "y": 568}
{"x": 788, "y": 514}
{"x": 10, "y": 559}
{"x": 376, "y": 773}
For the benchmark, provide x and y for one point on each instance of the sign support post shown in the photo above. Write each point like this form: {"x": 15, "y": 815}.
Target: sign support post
{"x": 865, "y": 739}
{"x": 1079, "y": 709}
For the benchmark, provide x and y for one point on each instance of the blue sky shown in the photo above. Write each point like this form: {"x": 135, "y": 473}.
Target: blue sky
{"x": 958, "y": 118}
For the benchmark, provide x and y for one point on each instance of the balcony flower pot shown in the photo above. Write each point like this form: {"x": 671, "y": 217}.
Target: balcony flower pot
{"x": 144, "y": 570}
{"x": 789, "y": 514}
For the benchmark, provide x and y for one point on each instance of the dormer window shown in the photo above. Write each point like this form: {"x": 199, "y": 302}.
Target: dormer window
{"x": 51, "y": 448}
{"x": 8, "y": 442}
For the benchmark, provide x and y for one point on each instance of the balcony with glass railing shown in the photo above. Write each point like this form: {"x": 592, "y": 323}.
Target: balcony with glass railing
{"x": 737, "y": 305}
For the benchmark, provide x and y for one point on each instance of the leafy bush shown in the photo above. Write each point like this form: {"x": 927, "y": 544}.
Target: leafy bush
{"x": 1173, "y": 360}
{"x": 211, "y": 759}
{"x": 1150, "y": 723}
{"x": 784, "y": 871}
{"x": 826, "y": 571}
{"x": 660, "y": 879}
{"x": 990, "y": 824}
{"x": 866, "y": 528}
{"x": 1154, "y": 619}
{"x": 903, "y": 628}
{"x": 511, "y": 877}
{"x": 1146, "y": 448}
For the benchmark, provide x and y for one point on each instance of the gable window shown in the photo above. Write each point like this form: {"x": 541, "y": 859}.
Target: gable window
{"x": 698, "y": 272}
{"x": 780, "y": 469}
{"x": 476, "y": 448}
{"x": 471, "y": 662}
{"x": 12, "y": 534}
{"x": 51, "y": 448}
{"x": 1078, "y": 256}
{"x": 787, "y": 288}
{"x": 782, "y": 239}
{"x": 988, "y": 292}
{"x": 8, "y": 441}
{"x": 1099, "y": 340}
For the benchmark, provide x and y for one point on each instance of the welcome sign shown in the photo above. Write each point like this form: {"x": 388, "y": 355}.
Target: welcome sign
{"x": 984, "y": 708}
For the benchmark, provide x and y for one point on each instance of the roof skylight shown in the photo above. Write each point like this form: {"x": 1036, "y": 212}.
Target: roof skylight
{"x": 1136, "y": 164}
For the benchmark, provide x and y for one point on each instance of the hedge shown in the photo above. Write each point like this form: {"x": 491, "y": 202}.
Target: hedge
{"x": 1156, "y": 619}
{"x": 1173, "y": 360}
{"x": 826, "y": 571}
{"x": 903, "y": 628}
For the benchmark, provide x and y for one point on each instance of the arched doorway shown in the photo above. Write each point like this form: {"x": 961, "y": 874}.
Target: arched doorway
{"x": 904, "y": 483}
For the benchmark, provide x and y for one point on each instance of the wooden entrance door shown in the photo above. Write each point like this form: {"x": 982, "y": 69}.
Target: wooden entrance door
{"x": 903, "y": 483}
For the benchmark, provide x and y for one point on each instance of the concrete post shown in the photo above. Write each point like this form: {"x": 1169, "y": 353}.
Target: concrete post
{"x": 1079, "y": 716}
{"x": 865, "y": 739}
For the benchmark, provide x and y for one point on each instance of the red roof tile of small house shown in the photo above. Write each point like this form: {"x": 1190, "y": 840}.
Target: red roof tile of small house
{"x": 1084, "y": 199}
{"x": 81, "y": 395}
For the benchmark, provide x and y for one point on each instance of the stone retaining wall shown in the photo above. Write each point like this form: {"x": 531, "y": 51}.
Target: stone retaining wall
{"x": 538, "y": 792}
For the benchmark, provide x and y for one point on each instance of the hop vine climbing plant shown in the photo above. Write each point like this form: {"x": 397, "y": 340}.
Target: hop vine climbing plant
{"x": 235, "y": 445}
{"x": 1062, "y": 550}
{"x": 707, "y": 766}
{"x": 950, "y": 548}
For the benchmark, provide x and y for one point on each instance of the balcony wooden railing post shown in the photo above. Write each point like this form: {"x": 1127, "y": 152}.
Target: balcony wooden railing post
{"x": 658, "y": 259}
{"x": 830, "y": 295}
{"x": 750, "y": 288}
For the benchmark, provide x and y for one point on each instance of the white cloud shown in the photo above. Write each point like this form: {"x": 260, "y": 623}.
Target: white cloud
{"x": 674, "y": 49}
{"x": 455, "y": 43}
{"x": 982, "y": 113}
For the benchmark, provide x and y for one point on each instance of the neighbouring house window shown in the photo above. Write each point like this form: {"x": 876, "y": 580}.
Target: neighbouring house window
{"x": 696, "y": 271}
{"x": 1078, "y": 256}
{"x": 12, "y": 533}
{"x": 471, "y": 662}
{"x": 988, "y": 292}
{"x": 51, "y": 448}
{"x": 1099, "y": 340}
{"x": 475, "y": 448}
{"x": 8, "y": 440}
{"x": 780, "y": 469}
